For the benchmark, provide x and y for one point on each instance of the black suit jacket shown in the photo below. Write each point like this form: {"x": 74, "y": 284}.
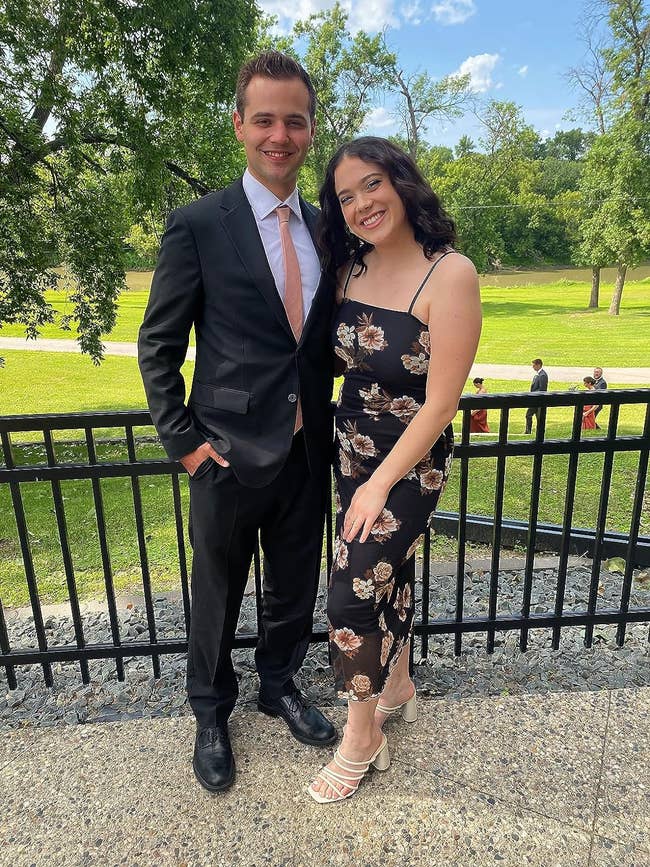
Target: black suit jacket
{"x": 213, "y": 273}
{"x": 540, "y": 381}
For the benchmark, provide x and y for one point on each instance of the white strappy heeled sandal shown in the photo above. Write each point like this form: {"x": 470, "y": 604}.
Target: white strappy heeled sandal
{"x": 353, "y": 773}
{"x": 409, "y": 709}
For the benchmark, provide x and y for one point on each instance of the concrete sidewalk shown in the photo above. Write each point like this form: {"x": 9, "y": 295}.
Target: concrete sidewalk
{"x": 619, "y": 375}
{"x": 555, "y": 779}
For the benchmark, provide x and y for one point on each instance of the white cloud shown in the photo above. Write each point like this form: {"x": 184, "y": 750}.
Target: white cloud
{"x": 453, "y": 11}
{"x": 369, "y": 15}
{"x": 412, "y": 12}
{"x": 300, "y": 9}
{"x": 522, "y": 71}
{"x": 378, "y": 119}
{"x": 480, "y": 68}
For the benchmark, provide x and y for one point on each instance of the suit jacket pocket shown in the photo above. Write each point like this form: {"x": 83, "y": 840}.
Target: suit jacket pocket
{"x": 230, "y": 399}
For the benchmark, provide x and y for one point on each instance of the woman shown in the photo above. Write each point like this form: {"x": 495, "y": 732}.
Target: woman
{"x": 406, "y": 332}
{"x": 478, "y": 422}
{"x": 589, "y": 412}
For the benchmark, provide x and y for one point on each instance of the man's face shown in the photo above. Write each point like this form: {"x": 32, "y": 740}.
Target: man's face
{"x": 276, "y": 131}
{"x": 597, "y": 372}
{"x": 536, "y": 366}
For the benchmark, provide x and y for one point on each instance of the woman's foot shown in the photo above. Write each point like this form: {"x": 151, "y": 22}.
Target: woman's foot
{"x": 354, "y": 752}
{"x": 394, "y": 696}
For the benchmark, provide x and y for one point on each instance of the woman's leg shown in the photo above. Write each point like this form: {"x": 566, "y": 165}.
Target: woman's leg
{"x": 361, "y": 739}
{"x": 399, "y": 687}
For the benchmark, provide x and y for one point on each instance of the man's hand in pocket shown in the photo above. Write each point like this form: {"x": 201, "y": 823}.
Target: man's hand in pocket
{"x": 193, "y": 460}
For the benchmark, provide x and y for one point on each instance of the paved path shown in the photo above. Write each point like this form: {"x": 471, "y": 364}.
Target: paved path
{"x": 619, "y": 375}
{"x": 541, "y": 780}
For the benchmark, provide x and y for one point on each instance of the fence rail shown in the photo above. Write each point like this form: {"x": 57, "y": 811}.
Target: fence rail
{"x": 22, "y": 471}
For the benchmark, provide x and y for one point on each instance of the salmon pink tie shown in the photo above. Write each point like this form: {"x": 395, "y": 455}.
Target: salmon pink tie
{"x": 292, "y": 285}
{"x": 292, "y": 282}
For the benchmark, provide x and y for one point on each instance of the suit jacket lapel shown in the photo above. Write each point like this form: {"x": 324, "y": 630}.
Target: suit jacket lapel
{"x": 310, "y": 215}
{"x": 239, "y": 222}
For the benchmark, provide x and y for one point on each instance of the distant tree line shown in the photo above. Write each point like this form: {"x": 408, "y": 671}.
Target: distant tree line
{"x": 112, "y": 114}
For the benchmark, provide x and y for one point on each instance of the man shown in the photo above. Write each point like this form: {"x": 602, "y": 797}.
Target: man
{"x": 539, "y": 383}
{"x": 256, "y": 433}
{"x": 600, "y": 384}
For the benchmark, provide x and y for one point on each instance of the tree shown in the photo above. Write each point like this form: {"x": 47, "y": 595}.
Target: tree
{"x": 348, "y": 72}
{"x": 616, "y": 187}
{"x": 433, "y": 161}
{"x": 424, "y": 99}
{"x": 106, "y": 107}
{"x": 473, "y": 197}
{"x": 592, "y": 77}
{"x": 616, "y": 181}
{"x": 569, "y": 145}
{"x": 464, "y": 146}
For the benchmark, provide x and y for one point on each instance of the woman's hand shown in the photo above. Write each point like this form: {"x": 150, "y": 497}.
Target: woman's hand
{"x": 366, "y": 506}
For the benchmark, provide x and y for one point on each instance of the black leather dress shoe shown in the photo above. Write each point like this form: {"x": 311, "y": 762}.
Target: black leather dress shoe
{"x": 213, "y": 763}
{"x": 306, "y": 723}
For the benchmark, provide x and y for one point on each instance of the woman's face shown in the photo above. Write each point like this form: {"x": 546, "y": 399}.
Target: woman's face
{"x": 369, "y": 202}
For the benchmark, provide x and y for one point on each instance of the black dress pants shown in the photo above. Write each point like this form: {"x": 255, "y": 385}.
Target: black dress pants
{"x": 531, "y": 413}
{"x": 225, "y": 518}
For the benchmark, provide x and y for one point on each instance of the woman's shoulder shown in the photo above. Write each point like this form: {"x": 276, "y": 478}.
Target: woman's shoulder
{"x": 457, "y": 264}
{"x": 452, "y": 271}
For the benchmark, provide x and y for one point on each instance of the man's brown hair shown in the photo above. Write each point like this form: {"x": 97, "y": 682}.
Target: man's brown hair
{"x": 275, "y": 65}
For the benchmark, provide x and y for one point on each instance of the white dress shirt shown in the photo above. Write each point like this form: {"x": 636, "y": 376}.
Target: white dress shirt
{"x": 264, "y": 202}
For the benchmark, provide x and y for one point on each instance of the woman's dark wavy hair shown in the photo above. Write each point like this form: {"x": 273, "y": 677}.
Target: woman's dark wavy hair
{"x": 433, "y": 228}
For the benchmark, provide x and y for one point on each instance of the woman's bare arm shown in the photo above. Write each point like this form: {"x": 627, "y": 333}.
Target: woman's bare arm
{"x": 454, "y": 319}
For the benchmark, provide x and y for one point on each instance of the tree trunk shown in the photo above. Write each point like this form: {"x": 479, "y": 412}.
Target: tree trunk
{"x": 615, "y": 306}
{"x": 411, "y": 122}
{"x": 595, "y": 287}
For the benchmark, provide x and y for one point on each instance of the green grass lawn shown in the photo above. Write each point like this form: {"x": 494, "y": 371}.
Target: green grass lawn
{"x": 553, "y": 321}
{"x": 520, "y": 322}
{"x": 35, "y": 381}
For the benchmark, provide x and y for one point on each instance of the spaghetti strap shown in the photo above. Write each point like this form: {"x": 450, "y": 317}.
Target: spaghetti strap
{"x": 347, "y": 279}
{"x": 424, "y": 282}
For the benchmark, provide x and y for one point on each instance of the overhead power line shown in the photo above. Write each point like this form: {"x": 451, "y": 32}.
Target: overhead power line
{"x": 549, "y": 204}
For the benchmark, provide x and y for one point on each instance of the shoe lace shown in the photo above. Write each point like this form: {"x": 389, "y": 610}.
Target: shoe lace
{"x": 296, "y": 701}
{"x": 211, "y": 737}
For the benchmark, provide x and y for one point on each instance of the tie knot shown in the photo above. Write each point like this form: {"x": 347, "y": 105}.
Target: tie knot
{"x": 283, "y": 212}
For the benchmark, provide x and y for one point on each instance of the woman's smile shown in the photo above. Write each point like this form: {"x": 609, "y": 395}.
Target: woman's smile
{"x": 373, "y": 220}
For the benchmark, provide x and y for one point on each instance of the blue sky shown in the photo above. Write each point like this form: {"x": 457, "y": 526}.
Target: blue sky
{"x": 514, "y": 49}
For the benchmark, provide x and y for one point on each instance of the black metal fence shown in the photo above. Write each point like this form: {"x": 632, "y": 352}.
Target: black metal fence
{"x": 48, "y": 451}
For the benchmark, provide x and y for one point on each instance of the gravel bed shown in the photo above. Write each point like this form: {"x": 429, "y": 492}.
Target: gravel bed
{"x": 474, "y": 672}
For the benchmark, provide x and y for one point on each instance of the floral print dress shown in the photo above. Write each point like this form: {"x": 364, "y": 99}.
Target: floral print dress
{"x": 371, "y": 592}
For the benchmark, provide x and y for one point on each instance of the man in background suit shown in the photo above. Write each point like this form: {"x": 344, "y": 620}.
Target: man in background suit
{"x": 600, "y": 384}
{"x": 256, "y": 433}
{"x": 539, "y": 383}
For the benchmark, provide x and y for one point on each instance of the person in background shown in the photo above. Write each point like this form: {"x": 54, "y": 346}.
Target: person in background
{"x": 539, "y": 383}
{"x": 600, "y": 384}
{"x": 479, "y": 420}
{"x": 589, "y": 412}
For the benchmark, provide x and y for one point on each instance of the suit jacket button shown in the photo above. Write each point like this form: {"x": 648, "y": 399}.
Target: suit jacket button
{"x": 292, "y": 398}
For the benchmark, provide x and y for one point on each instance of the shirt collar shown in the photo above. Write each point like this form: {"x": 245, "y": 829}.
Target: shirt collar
{"x": 264, "y": 202}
